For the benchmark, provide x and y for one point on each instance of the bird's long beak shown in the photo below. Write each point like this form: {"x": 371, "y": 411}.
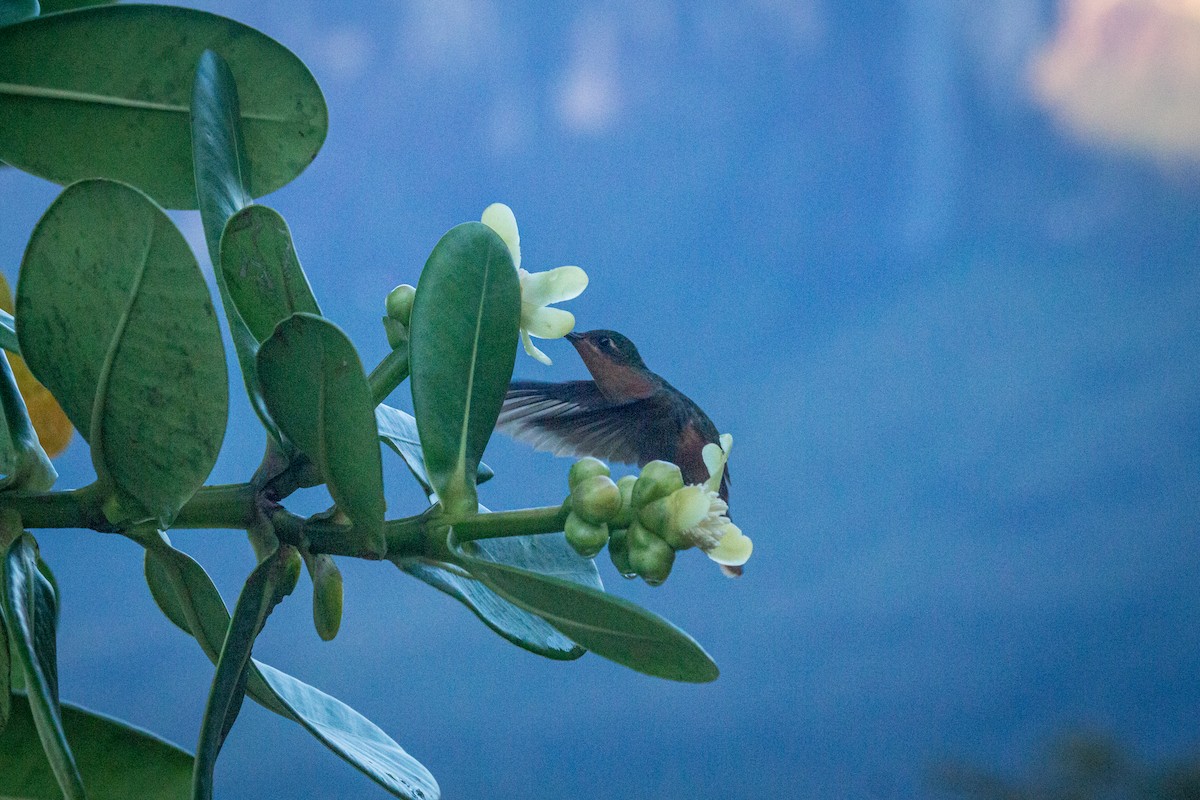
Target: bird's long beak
{"x": 573, "y": 337}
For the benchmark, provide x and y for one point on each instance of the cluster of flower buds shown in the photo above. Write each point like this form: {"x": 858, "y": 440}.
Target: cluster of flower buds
{"x": 595, "y": 506}
{"x": 646, "y": 519}
{"x": 399, "y": 310}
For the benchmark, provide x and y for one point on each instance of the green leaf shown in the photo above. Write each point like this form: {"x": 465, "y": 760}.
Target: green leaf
{"x": 16, "y": 10}
{"x": 31, "y": 615}
{"x": 188, "y": 597}
{"x": 352, "y": 736}
{"x": 222, "y": 172}
{"x": 55, "y": 6}
{"x": 117, "y": 760}
{"x": 463, "y": 342}
{"x": 518, "y": 626}
{"x": 6, "y": 671}
{"x": 104, "y": 92}
{"x": 259, "y": 596}
{"x": 186, "y": 594}
{"x": 262, "y": 272}
{"x": 8, "y": 333}
{"x": 115, "y": 319}
{"x": 398, "y": 430}
{"x": 22, "y": 460}
{"x": 315, "y": 389}
{"x": 607, "y": 625}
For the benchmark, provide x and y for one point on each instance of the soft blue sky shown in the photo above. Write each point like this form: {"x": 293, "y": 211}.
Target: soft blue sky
{"x": 956, "y": 348}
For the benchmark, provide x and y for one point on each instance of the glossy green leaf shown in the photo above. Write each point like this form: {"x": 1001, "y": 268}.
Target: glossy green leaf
{"x": 220, "y": 163}
{"x": 16, "y": 10}
{"x": 115, "y": 319}
{"x": 463, "y": 342}
{"x": 261, "y": 270}
{"x": 187, "y": 595}
{"x": 117, "y": 760}
{"x": 353, "y": 737}
{"x": 259, "y": 597}
{"x": 222, "y": 171}
{"x": 608, "y": 626}
{"x": 105, "y": 92}
{"x": 547, "y": 554}
{"x": 8, "y": 333}
{"x": 23, "y": 462}
{"x": 398, "y": 430}
{"x": 6, "y": 671}
{"x": 31, "y": 614}
{"x": 55, "y": 6}
{"x": 315, "y": 389}
{"x": 518, "y": 626}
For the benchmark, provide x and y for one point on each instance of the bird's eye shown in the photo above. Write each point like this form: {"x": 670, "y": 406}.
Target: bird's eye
{"x": 606, "y": 343}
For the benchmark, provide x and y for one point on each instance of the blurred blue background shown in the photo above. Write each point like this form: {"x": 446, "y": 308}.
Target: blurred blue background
{"x": 932, "y": 263}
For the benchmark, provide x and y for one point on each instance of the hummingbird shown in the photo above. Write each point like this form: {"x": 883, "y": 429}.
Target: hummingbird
{"x": 626, "y": 413}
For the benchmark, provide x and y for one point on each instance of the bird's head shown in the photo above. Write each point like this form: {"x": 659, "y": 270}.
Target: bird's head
{"x": 615, "y": 364}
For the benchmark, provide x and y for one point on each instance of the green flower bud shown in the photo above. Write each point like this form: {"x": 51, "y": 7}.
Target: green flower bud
{"x": 397, "y": 332}
{"x": 658, "y": 479}
{"x": 586, "y": 468}
{"x": 327, "y": 595}
{"x": 684, "y": 510}
{"x": 400, "y": 302}
{"x": 586, "y": 538}
{"x": 618, "y": 551}
{"x": 655, "y": 516}
{"x": 291, "y": 572}
{"x": 649, "y": 555}
{"x": 625, "y": 516}
{"x": 596, "y": 499}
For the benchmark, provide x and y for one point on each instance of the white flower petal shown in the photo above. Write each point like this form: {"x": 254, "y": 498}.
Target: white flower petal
{"x": 734, "y": 549}
{"x": 553, "y": 286}
{"x": 689, "y": 507}
{"x": 546, "y": 323}
{"x": 715, "y": 456}
{"x": 501, "y": 219}
{"x": 533, "y": 351}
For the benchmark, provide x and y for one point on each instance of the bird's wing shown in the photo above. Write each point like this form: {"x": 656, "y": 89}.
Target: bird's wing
{"x": 574, "y": 419}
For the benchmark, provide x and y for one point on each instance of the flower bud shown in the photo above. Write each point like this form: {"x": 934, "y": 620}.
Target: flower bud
{"x": 400, "y": 302}
{"x": 618, "y": 551}
{"x": 291, "y": 572}
{"x": 658, "y": 479}
{"x": 650, "y": 556}
{"x": 586, "y": 538}
{"x": 596, "y": 499}
{"x": 625, "y": 516}
{"x": 327, "y": 595}
{"x": 585, "y": 468}
{"x": 680, "y": 511}
{"x": 397, "y": 332}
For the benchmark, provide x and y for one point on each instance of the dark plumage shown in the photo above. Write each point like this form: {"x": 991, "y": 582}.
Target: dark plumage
{"x": 626, "y": 413}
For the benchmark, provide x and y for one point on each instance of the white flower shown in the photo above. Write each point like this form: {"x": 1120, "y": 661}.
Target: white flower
{"x": 733, "y": 548}
{"x": 538, "y": 289}
{"x": 715, "y": 457}
{"x": 695, "y": 515}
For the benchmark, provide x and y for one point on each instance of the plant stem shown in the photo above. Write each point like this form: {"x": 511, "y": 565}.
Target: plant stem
{"x": 390, "y": 373}
{"x": 499, "y": 524}
{"x": 77, "y": 508}
{"x": 236, "y": 506}
{"x": 230, "y": 505}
